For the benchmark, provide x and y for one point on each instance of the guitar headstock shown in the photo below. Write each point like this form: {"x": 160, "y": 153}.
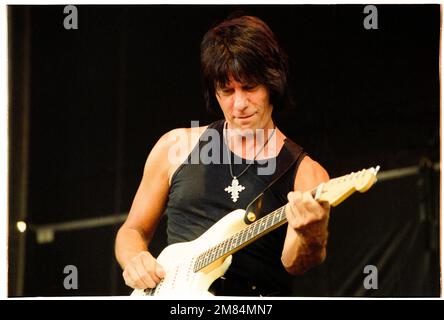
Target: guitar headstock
{"x": 338, "y": 189}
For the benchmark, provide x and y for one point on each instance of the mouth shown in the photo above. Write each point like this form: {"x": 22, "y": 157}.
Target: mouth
{"x": 245, "y": 117}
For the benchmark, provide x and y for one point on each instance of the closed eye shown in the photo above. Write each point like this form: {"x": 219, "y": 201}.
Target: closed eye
{"x": 227, "y": 91}
{"x": 250, "y": 87}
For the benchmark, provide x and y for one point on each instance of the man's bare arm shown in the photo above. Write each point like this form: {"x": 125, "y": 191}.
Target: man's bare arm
{"x": 307, "y": 230}
{"x": 140, "y": 268}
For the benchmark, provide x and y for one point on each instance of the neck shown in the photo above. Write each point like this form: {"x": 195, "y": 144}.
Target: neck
{"x": 248, "y": 142}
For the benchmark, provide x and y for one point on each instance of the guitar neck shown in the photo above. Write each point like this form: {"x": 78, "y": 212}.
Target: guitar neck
{"x": 242, "y": 238}
{"x": 334, "y": 192}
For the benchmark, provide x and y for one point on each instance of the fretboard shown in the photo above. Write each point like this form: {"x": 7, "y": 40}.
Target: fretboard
{"x": 242, "y": 238}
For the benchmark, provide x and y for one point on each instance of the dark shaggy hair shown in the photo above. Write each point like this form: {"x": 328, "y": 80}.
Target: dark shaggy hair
{"x": 245, "y": 48}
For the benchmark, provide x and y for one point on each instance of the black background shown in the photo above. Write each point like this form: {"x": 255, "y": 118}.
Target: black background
{"x": 102, "y": 95}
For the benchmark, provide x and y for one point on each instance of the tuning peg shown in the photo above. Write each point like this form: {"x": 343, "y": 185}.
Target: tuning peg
{"x": 375, "y": 171}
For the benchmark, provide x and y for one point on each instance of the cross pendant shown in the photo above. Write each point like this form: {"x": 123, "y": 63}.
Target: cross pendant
{"x": 234, "y": 189}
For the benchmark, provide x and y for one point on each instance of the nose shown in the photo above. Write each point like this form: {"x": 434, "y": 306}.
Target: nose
{"x": 240, "y": 100}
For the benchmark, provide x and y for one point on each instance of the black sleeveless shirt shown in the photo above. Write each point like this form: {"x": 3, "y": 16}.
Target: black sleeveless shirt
{"x": 197, "y": 200}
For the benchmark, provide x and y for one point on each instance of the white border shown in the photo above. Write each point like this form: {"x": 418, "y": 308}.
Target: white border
{"x": 441, "y": 154}
{"x": 4, "y": 151}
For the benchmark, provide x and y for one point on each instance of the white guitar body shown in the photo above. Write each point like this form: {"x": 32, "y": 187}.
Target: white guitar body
{"x": 178, "y": 260}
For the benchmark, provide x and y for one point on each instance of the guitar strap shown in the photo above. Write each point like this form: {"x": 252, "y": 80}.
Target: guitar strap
{"x": 284, "y": 163}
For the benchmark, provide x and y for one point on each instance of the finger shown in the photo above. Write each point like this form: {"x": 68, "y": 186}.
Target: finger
{"x": 143, "y": 275}
{"x": 291, "y": 208}
{"x": 294, "y": 197}
{"x": 150, "y": 268}
{"x": 312, "y": 207}
{"x": 290, "y": 214}
{"x": 298, "y": 206}
{"x": 134, "y": 277}
{"x": 128, "y": 280}
{"x": 293, "y": 215}
{"x": 317, "y": 210}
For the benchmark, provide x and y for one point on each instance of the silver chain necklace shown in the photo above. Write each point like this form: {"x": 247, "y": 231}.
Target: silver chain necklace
{"x": 235, "y": 188}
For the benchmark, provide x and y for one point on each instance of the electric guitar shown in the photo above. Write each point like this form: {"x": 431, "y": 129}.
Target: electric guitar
{"x": 191, "y": 267}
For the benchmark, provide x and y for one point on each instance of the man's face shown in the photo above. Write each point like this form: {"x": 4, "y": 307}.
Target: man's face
{"x": 245, "y": 105}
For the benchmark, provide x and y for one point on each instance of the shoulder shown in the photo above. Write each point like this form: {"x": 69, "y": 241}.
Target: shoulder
{"x": 309, "y": 175}
{"x": 172, "y": 149}
{"x": 177, "y": 139}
